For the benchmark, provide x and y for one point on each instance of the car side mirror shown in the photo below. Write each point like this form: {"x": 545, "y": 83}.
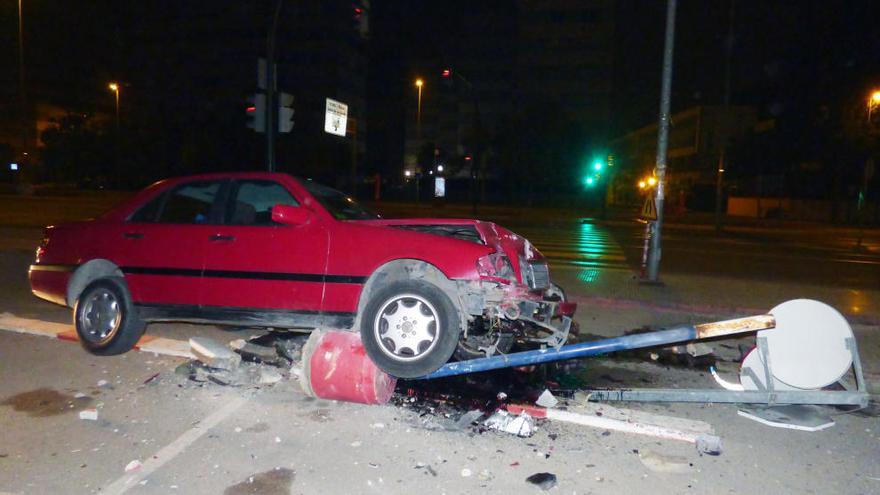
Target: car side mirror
{"x": 290, "y": 215}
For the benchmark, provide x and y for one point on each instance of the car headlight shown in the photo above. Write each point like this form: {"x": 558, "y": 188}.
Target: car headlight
{"x": 495, "y": 266}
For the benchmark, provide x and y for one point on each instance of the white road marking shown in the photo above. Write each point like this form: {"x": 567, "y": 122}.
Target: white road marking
{"x": 173, "y": 449}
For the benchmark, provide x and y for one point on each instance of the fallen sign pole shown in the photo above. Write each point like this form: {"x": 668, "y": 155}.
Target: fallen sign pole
{"x": 674, "y": 335}
{"x": 705, "y": 442}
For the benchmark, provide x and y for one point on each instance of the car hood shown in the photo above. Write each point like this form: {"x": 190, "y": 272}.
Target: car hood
{"x": 502, "y": 240}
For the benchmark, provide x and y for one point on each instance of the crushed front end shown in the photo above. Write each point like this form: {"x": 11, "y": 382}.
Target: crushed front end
{"x": 514, "y": 302}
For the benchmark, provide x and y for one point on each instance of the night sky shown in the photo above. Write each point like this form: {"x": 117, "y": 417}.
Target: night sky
{"x": 789, "y": 59}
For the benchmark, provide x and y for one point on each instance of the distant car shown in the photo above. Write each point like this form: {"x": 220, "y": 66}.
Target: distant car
{"x": 271, "y": 250}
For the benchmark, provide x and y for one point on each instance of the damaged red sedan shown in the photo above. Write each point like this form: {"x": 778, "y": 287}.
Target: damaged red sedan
{"x": 270, "y": 250}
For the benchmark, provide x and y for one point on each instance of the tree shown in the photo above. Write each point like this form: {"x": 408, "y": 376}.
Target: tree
{"x": 77, "y": 149}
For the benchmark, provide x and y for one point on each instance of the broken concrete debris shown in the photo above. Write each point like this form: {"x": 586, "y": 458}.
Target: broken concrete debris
{"x": 269, "y": 376}
{"x": 547, "y": 399}
{"x": 522, "y": 425}
{"x": 90, "y": 414}
{"x": 214, "y": 354}
{"x": 253, "y": 352}
{"x": 544, "y": 481}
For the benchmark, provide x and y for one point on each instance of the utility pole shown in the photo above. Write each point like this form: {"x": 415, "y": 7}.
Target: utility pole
{"x": 725, "y": 120}
{"x": 25, "y": 128}
{"x": 662, "y": 140}
{"x": 271, "y": 87}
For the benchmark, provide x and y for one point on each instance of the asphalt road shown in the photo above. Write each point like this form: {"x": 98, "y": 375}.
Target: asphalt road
{"x": 205, "y": 438}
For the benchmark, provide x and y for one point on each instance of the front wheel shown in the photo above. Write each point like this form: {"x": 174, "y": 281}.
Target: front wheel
{"x": 105, "y": 318}
{"x": 410, "y": 328}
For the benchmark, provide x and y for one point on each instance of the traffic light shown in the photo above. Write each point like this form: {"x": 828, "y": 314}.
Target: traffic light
{"x": 256, "y": 112}
{"x": 285, "y": 112}
{"x": 590, "y": 181}
{"x": 598, "y": 165}
{"x": 446, "y": 73}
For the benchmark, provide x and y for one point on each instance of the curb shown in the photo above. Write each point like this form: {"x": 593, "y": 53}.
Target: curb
{"x": 65, "y": 331}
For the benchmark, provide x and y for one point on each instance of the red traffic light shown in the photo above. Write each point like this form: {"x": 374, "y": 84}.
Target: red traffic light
{"x": 467, "y": 158}
{"x": 250, "y": 109}
{"x": 446, "y": 73}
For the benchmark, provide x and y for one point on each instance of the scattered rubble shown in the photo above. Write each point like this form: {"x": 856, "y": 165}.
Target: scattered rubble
{"x": 544, "y": 481}
{"x": 214, "y": 354}
{"x": 522, "y": 425}
{"x": 547, "y": 399}
{"x": 269, "y": 376}
{"x": 90, "y": 414}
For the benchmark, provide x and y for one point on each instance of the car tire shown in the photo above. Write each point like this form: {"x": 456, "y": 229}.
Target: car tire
{"x": 105, "y": 318}
{"x": 410, "y": 328}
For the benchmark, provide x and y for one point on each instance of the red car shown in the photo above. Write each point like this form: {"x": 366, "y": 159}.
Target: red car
{"x": 269, "y": 250}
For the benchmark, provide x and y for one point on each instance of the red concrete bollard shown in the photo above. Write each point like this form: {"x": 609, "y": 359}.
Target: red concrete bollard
{"x": 336, "y": 366}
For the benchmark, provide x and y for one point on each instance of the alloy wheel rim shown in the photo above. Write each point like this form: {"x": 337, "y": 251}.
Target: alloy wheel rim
{"x": 100, "y": 317}
{"x": 406, "y": 327}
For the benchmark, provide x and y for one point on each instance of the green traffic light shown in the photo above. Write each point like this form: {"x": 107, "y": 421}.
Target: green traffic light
{"x": 597, "y": 165}
{"x": 590, "y": 181}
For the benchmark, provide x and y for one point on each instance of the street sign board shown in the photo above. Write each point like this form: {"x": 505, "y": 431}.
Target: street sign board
{"x": 439, "y": 187}
{"x": 649, "y": 210}
{"x": 335, "y": 117}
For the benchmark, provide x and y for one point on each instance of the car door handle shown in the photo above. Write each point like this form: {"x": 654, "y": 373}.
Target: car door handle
{"x": 133, "y": 235}
{"x": 221, "y": 237}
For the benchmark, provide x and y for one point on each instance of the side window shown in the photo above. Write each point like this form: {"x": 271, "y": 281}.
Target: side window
{"x": 190, "y": 203}
{"x": 149, "y": 211}
{"x": 251, "y": 202}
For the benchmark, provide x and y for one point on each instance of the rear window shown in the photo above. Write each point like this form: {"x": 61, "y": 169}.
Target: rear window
{"x": 190, "y": 203}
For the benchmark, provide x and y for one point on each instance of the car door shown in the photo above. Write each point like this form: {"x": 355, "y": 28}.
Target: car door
{"x": 259, "y": 268}
{"x": 163, "y": 243}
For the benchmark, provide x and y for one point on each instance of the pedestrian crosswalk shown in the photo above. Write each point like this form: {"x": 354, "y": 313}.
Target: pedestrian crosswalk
{"x": 583, "y": 244}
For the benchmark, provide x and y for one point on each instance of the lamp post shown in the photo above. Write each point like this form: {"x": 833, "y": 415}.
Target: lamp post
{"x": 868, "y": 170}
{"x": 873, "y": 102}
{"x": 115, "y": 88}
{"x": 419, "y": 84}
{"x": 25, "y": 131}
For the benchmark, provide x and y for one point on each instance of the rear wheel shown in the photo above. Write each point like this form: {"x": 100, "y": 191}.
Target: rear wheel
{"x": 410, "y": 328}
{"x": 105, "y": 319}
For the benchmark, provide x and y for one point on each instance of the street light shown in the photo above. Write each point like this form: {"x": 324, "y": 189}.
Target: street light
{"x": 873, "y": 102}
{"x": 419, "y": 84}
{"x": 115, "y": 88}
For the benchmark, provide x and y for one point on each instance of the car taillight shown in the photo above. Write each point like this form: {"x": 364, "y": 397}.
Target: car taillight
{"x": 495, "y": 266}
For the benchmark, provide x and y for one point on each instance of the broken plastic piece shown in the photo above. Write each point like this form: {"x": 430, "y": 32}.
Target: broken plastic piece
{"x": 90, "y": 414}
{"x": 522, "y": 425}
{"x": 547, "y": 399}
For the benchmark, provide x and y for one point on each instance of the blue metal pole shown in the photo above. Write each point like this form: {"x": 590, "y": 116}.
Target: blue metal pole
{"x": 584, "y": 349}
{"x": 604, "y": 346}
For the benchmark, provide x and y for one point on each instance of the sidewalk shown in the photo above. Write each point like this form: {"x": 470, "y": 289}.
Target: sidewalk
{"x": 705, "y": 295}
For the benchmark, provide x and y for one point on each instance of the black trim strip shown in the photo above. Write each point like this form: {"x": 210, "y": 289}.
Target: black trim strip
{"x": 258, "y": 317}
{"x": 289, "y": 277}
{"x": 52, "y": 268}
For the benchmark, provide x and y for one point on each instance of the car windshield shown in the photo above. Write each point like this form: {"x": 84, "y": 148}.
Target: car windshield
{"x": 341, "y": 206}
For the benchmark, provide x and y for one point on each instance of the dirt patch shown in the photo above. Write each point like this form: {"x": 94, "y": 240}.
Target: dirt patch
{"x": 320, "y": 415}
{"x": 44, "y": 402}
{"x": 258, "y": 428}
{"x": 274, "y": 482}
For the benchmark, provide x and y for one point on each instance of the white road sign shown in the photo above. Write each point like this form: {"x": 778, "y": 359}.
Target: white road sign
{"x": 336, "y": 117}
